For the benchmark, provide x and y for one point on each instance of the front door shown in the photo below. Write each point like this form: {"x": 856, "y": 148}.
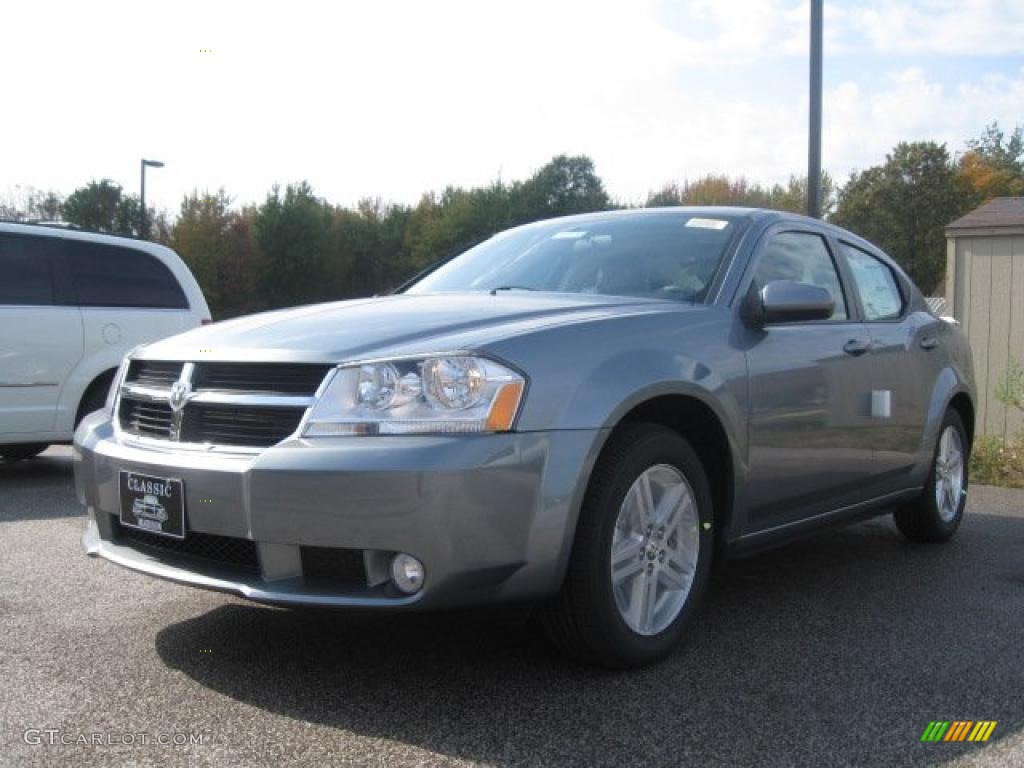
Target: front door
{"x": 809, "y": 403}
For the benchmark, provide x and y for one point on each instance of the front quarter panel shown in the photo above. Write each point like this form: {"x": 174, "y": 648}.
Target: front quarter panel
{"x": 588, "y": 376}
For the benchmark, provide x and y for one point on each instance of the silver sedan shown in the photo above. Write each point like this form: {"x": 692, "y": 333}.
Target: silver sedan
{"x": 584, "y": 413}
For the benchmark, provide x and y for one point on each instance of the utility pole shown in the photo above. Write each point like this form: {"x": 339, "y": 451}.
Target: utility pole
{"x": 814, "y": 127}
{"x": 143, "y": 224}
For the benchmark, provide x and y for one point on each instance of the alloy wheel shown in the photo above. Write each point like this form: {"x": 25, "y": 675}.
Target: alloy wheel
{"x": 949, "y": 474}
{"x": 654, "y": 549}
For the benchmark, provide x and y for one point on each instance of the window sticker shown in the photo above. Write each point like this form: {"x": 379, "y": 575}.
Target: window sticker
{"x": 707, "y": 223}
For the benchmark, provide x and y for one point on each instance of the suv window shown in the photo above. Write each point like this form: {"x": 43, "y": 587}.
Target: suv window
{"x": 879, "y": 292}
{"x": 24, "y": 271}
{"x": 112, "y": 276}
{"x": 801, "y": 257}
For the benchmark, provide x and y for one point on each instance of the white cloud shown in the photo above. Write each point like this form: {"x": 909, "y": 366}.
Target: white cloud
{"x": 942, "y": 27}
{"x": 865, "y": 120}
{"x": 395, "y": 98}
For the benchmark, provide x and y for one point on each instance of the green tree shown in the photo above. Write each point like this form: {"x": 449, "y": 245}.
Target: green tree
{"x": 993, "y": 166}
{"x": 565, "y": 185}
{"x": 720, "y": 189}
{"x": 217, "y": 245}
{"x": 294, "y": 233}
{"x": 998, "y": 150}
{"x": 904, "y": 206}
{"x": 31, "y": 204}
{"x": 104, "y": 207}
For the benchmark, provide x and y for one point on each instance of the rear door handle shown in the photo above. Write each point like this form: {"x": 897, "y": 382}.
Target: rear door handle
{"x": 856, "y": 347}
{"x": 929, "y": 342}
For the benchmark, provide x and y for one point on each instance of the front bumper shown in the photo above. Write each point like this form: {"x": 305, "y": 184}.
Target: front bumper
{"x": 490, "y": 516}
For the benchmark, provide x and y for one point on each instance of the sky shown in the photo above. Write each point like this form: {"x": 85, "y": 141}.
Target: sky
{"x": 390, "y": 99}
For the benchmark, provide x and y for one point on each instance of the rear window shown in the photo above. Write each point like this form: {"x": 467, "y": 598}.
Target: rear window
{"x": 25, "y": 277}
{"x": 113, "y": 276}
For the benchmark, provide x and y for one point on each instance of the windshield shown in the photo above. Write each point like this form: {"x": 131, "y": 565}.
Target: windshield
{"x": 663, "y": 256}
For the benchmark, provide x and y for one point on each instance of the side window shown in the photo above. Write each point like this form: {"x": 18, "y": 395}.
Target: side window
{"x": 112, "y": 276}
{"x": 802, "y": 257}
{"x": 879, "y": 292}
{"x": 25, "y": 277}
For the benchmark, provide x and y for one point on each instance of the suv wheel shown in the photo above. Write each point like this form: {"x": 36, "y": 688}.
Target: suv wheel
{"x": 22, "y": 451}
{"x": 937, "y": 513}
{"x": 642, "y": 553}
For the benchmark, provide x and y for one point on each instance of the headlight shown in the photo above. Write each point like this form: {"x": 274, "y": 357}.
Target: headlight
{"x": 455, "y": 393}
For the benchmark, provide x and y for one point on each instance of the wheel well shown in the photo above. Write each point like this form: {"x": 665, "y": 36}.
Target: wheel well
{"x": 102, "y": 383}
{"x": 695, "y": 421}
{"x": 961, "y": 403}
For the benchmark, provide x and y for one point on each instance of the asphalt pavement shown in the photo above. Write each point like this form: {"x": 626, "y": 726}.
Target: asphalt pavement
{"x": 838, "y": 650}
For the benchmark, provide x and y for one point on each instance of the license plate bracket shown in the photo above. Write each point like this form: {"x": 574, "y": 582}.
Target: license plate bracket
{"x": 153, "y": 504}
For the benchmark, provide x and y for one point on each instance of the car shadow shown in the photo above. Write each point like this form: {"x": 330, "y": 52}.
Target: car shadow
{"x": 39, "y": 488}
{"x": 844, "y": 646}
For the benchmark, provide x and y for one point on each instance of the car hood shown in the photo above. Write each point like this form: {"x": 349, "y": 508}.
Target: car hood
{"x": 393, "y": 325}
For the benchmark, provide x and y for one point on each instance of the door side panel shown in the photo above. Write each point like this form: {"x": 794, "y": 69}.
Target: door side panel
{"x": 810, "y": 446}
{"x": 39, "y": 346}
{"x": 905, "y": 372}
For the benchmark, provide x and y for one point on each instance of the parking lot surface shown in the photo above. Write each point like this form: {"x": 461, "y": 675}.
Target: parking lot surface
{"x": 838, "y": 650}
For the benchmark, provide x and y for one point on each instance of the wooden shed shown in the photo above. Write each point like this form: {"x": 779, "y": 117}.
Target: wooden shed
{"x": 985, "y": 291}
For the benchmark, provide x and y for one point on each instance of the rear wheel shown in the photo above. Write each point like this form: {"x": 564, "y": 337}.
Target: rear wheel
{"x": 22, "y": 451}
{"x": 642, "y": 553}
{"x": 937, "y": 513}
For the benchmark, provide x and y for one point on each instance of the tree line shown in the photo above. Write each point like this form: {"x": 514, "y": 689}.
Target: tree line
{"x": 296, "y": 248}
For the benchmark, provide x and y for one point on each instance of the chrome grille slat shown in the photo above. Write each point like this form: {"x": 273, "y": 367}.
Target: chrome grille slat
{"x": 276, "y": 378}
{"x": 153, "y": 373}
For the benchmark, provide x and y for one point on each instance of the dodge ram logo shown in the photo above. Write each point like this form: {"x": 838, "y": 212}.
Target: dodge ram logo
{"x": 180, "y": 392}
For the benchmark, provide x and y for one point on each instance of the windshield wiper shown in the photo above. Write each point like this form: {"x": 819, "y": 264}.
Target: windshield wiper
{"x": 494, "y": 291}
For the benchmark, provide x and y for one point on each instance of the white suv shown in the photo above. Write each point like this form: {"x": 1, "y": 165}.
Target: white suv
{"x": 72, "y": 304}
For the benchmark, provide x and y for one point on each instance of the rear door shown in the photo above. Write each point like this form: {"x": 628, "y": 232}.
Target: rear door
{"x": 40, "y": 340}
{"x": 810, "y": 449}
{"x": 904, "y": 364}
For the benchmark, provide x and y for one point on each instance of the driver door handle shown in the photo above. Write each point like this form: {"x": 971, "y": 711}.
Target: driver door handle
{"x": 856, "y": 347}
{"x": 929, "y": 342}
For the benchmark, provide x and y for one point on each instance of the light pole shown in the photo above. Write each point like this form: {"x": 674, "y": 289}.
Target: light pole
{"x": 814, "y": 127}
{"x": 143, "y": 224}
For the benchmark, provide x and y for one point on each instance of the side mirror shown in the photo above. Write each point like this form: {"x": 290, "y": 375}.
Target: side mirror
{"x": 785, "y": 301}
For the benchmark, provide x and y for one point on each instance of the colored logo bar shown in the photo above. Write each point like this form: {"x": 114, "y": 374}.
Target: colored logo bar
{"x": 959, "y": 730}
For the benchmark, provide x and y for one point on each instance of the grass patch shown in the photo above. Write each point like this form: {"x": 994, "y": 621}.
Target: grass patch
{"x": 995, "y": 461}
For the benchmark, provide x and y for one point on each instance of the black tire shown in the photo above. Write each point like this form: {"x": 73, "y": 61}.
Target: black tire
{"x": 583, "y": 619}
{"x": 95, "y": 396}
{"x": 921, "y": 519}
{"x": 22, "y": 451}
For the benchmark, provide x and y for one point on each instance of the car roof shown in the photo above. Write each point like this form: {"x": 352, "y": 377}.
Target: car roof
{"x": 69, "y": 232}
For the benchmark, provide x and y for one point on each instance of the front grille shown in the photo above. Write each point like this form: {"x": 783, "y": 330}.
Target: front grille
{"x": 339, "y": 567}
{"x": 146, "y": 418}
{"x": 253, "y": 405}
{"x": 276, "y": 378}
{"x": 151, "y": 373}
{"x": 260, "y": 426}
{"x": 223, "y": 550}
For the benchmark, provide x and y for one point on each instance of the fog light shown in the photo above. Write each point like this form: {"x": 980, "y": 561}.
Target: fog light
{"x": 407, "y": 573}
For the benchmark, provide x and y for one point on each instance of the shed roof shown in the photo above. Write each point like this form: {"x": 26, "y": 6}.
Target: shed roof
{"x": 997, "y": 212}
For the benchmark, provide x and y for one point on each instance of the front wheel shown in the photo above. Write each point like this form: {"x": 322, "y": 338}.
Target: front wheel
{"x": 936, "y": 514}
{"x": 642, "y": 554}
